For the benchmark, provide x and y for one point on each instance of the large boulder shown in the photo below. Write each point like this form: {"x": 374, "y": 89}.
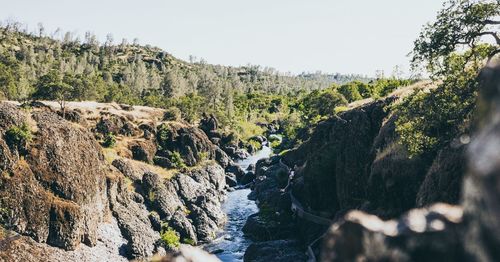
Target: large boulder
{"x": 143, "y": 150}
{"x": 56, "y": 193}
{"x": 190, "y": 142}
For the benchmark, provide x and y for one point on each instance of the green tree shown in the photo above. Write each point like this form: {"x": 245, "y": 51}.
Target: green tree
{"x": 460, "y": 24}
{"x": 453, "y": 49}
{"x": 51, "y": 87}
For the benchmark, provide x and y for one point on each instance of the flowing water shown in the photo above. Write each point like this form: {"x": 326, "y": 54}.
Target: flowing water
{"x": 231, "y": 244}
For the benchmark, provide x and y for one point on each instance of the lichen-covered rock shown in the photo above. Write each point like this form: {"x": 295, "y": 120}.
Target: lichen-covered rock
{"x": 57, "y": 192}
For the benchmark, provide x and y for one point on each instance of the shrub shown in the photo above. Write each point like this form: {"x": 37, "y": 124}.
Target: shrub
{"x": 189, "y": 241}
{"x": 177, "y": 160}
{"x": 19, "y": 137}
{"x": 109, "y": 140}
{"x": 172, "y": 114}
{"x": 163, "y": 136}
{"x": 170, "y": 237}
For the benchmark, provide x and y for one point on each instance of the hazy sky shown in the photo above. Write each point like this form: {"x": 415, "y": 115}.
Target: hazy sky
{"x": 347, "y": 36}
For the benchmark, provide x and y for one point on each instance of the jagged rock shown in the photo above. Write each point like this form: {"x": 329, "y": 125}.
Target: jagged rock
{"x": 481, "y": 192}
{"x": 109, "y": 125}
{"x": 277, "y": 250}
{"x": 164, "y": 162}
{"x": 161, "y": 196}
{"x": 143, "y": 150}
{"x": 133, "y": 220}
{"x": 128, "y": 169}
{"x": 443, "y": 181}
{"x": 265, "y": 227}
{"x": 182, "y": 225}
{"x": 71, "y": 115}
{"x": 209, "y": 124}
{"x": 128, "y": 129}
{"x": 251, "y": 167}
{"x": 336, "y": 158}
{"x": 147, "y": 127}
{"x": 394, "y": 178}
{"x": 236, "y": 170}
{"x": 421, "y": 235}
{"x": 155, "y": 220}
{"x": 222, "y": 158}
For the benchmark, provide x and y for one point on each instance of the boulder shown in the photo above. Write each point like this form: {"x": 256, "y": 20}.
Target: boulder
{"x": 57, "y": 191}
{"x": 129, "y": 169}
{"x": 191, "y": 143}
{"x": 143, "y": 150}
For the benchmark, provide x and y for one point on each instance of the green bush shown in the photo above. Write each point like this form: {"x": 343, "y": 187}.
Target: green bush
{"x": 109, "y": 140}
{"x": 19, "y": 137}
{"x": 429, "y": 120}
{"x": 177, "y": 160}
{"x": 170, "y": 237}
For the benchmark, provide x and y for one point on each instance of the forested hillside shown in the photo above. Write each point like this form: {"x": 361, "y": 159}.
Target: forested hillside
{"x": 36, "y": 66}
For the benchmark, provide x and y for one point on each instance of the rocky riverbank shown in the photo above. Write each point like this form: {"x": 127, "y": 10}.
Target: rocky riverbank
{"x": 106, "y": 182}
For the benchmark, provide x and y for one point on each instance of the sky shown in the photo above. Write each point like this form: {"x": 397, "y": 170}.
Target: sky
{"x": 348, "y": 36}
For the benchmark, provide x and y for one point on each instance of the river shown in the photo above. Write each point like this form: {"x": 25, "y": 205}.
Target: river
{"x": 230, "y": 244}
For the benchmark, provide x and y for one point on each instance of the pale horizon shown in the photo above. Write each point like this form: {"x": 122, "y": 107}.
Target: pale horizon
{"x": 355, "y": 37}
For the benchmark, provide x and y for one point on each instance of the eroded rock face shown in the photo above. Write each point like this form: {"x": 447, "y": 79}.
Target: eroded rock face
{"x": 191, "y": 202}
{"x": 338, "y": 155}
{"x": 57, "y": 193}
{"x": 133, "y": 220}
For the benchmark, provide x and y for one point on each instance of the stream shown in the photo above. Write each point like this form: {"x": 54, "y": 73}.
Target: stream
{"x": 230, "y": 244}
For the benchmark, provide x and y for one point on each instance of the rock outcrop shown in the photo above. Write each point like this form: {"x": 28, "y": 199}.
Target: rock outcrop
{"x": 56, "y": 192}
{"x": 62, "y": 200}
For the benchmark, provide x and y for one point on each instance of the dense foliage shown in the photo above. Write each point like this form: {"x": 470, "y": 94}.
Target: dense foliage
{"x": 454, "y": 50}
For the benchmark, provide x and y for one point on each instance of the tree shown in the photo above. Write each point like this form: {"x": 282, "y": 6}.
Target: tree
{"x": 51, "y": 87}
{"x": 460, "y": 24}
{"x": 454, "y": 48}
{"x": 350, "y": 91}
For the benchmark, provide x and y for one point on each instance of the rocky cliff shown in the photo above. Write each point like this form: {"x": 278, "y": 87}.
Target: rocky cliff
{"x": 66, "y": 195}
{"x": 355, "y": 161}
